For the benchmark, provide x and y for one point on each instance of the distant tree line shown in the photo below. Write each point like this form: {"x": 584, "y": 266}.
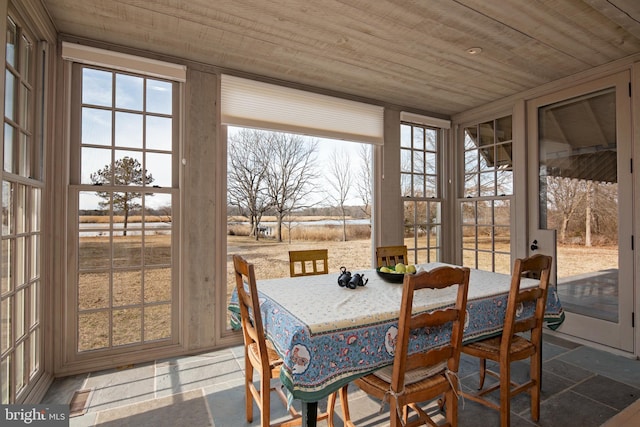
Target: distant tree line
{"x": 354, "y": 212}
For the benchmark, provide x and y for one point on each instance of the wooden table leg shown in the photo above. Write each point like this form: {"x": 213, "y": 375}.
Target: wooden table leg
{"x": 309, "y": 414}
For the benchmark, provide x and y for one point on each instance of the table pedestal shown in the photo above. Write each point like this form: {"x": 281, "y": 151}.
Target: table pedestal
{"x": 309, "y": 414}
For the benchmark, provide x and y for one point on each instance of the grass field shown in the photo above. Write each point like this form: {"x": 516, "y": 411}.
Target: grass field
{"x": 130, "y": 310}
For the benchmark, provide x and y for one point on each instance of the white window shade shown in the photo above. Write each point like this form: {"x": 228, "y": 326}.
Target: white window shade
{"x": 425, "y": 120}
{"x": 123, "y": 62}
{"x": 267, "y": 106}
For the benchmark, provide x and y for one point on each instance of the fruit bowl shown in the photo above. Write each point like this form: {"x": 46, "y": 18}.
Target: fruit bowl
{"x": 391, "y": 277}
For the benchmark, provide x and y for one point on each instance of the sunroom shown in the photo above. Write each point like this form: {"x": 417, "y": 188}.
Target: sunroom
{"x": 530, "y": 108}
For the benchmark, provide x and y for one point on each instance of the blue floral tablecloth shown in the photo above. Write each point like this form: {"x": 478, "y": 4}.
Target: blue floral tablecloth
{"x": 328, "y": 335}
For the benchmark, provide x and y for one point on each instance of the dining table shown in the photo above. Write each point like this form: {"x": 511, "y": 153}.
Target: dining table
{"x": 328, "y": 335}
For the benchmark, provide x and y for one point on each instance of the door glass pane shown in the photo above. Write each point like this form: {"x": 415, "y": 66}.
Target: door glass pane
{"x": 579, "y": 199}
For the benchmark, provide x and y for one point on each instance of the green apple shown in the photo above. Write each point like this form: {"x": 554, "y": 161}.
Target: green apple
{"x": 411, "y": 269}
{"x": 401, "y": 268}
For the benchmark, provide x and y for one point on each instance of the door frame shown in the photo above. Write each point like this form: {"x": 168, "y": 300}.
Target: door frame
{"x": 618, "y": 335}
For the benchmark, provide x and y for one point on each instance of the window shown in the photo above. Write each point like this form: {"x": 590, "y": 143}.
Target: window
{"x": 288, "y": 192}
{"x": 421, "y": 191}
{"x": 488, "y": 187}
{"x": 20, "y": 291}
{"x": 125, "y": 188}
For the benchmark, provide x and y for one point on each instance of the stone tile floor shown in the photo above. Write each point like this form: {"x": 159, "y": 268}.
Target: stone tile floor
{"x": 581, "y": 387}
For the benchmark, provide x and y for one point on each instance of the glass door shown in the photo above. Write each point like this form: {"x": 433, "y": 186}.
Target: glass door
{"x": 580, "y": 165}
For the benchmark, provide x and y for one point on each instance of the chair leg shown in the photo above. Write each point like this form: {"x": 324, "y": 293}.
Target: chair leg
{"x": 535, "y": 374}
{"x": 331, "y": 409}
{"x": 265, "y": 400}
{"x": 505, "y": 394}
{"x": 483, "y": 373}
{"x": 248, "y": 379}
{"x": 344, "y": 402}
{"x": 451, "y": 408}
{"x": 395, "y": 420}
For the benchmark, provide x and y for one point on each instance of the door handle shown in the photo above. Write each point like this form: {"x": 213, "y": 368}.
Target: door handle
{"x": 534, "y": 245}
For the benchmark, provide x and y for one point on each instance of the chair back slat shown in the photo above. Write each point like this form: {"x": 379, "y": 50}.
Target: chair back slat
{"x": 430, "y": 358}
{"x": 308, "y": 262}
{"x": 435, "y": 318}
{"x": 529, "y": 295}
{"x": 524, "y": 325}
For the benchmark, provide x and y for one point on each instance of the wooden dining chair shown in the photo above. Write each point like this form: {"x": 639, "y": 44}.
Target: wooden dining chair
{"x": 259, "y": 354}
{"x": 512, "y": 344}
{"x": 388, "y": 256}
{"x": 308, "y": 262}
{"x": 423, "y": 375}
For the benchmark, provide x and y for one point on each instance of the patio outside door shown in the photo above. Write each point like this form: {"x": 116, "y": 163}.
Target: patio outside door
{"x": 581, "y": 204}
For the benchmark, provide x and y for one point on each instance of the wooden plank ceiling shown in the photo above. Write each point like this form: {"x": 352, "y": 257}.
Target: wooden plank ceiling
{"x": 393, "y": 52}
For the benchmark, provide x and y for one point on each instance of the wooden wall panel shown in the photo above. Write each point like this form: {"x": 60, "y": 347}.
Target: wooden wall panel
{"x": 198, "y": 210}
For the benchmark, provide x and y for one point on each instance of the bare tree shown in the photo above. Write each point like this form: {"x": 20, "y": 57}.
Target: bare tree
{"x": 248, "y": 162}
{"x": 339, "y": 180}
{"x": 290, "y": 173}
{"x": 363, "y": 182}
{"x": 565, "y": 195}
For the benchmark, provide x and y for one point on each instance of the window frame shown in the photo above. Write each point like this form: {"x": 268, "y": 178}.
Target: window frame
{"x": 486, "y": 207}
{"x": 436, "y": 202}
{"x": 77, "y": 187}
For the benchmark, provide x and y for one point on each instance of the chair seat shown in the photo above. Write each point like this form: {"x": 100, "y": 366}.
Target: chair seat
{"x": 521, "y": 348}
{"x": 413, "y": 376}
{"x": 274, "y": 359}
{"x": 423, "y": 389}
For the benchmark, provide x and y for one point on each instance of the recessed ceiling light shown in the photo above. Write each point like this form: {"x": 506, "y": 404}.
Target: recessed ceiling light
{"x": 474, "y": 50}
